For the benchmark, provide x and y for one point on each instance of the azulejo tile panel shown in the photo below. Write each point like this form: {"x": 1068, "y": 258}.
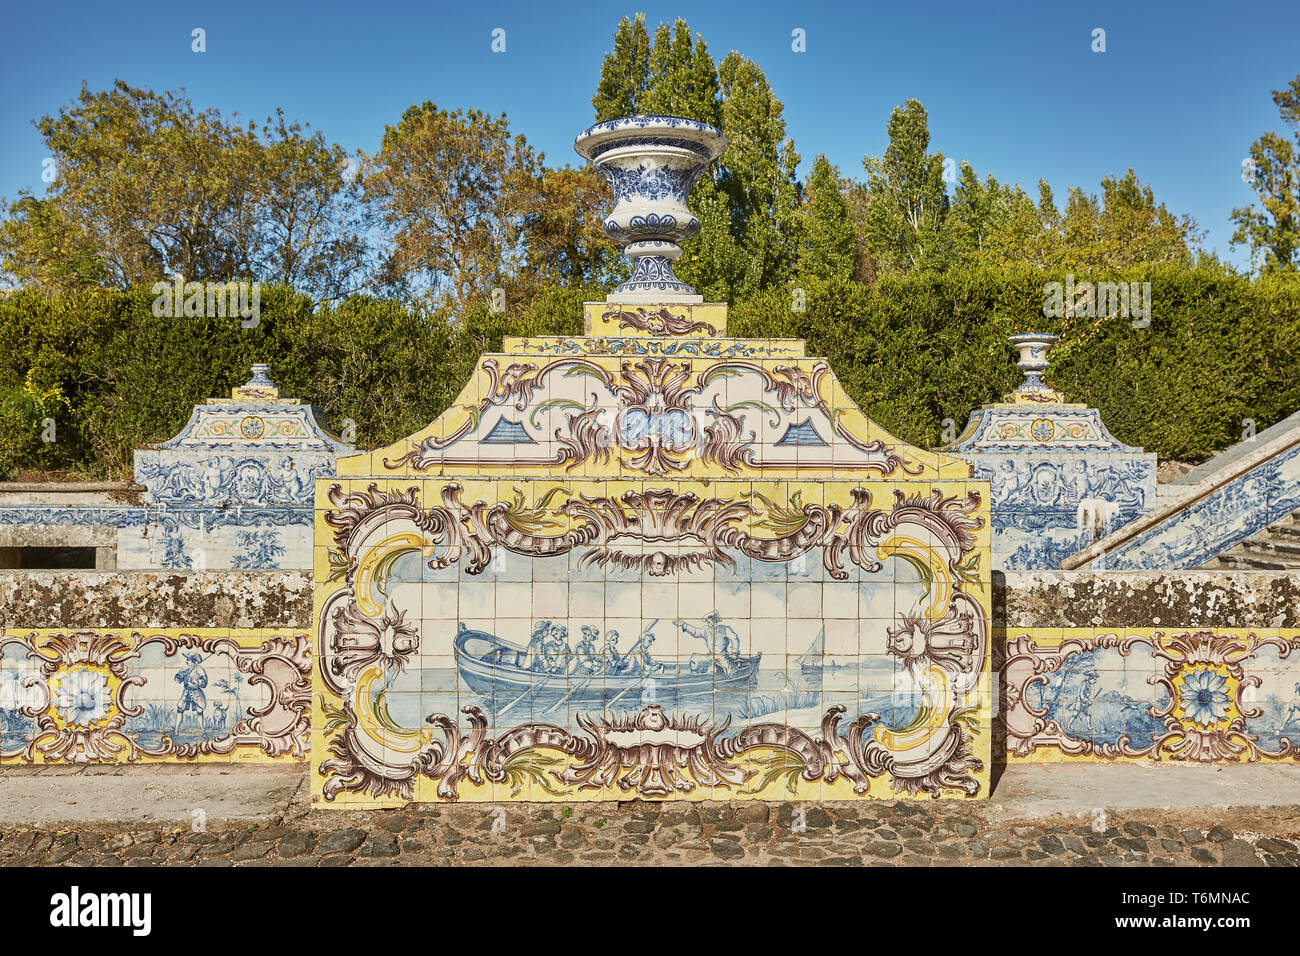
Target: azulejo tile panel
{"x": 113, "y": 695}
{"x": 1209, "y": 525}
{"x": 596, "y": 640}
{"x": 1060, "y": 480}
{"x": 1161, "y": 694}
{"x": 669, "y": 573}
{"x": 1048, "y": 506}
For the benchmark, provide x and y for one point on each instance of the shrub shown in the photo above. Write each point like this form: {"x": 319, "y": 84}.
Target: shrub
{"x": 913, "y": 351}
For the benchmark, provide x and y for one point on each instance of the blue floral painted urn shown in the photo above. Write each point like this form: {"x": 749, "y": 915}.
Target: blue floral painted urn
{"x": 651, "y": 163}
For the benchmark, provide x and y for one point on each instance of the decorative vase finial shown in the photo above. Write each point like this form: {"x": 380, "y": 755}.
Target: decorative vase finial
{"x": 1033, "y": 348}
{"x": 651, "y": 163}
{"x": 259, "y": 388}
{"x": 261, "y": 376}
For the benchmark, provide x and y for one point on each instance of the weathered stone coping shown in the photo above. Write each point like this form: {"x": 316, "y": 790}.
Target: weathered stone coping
{"x": 68, "y": 493}
{"x": 71, "y": 487}
{"x": 236, "y": 599}
{"x": 1146, "y": 599}
{"x": 284, "y": 599}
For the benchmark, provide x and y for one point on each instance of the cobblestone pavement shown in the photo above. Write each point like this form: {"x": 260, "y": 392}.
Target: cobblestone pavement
{"x": 891, "y": 833}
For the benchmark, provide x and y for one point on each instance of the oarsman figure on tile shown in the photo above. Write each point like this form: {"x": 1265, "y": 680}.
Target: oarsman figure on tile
{"x": 586, "y": 658}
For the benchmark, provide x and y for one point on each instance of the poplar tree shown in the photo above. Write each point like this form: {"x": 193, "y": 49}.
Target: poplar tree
{"x": 624, "y": 71}
{"x": 748, "y": 202}
{"x": 1272, "y": 230}
{"x": 827, "y": 238}
{"x": 908, "y": 201}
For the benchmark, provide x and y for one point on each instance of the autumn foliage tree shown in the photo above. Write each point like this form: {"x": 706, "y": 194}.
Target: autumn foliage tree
{"x": 147, "y": 186}
{"x": 451, "y": 188}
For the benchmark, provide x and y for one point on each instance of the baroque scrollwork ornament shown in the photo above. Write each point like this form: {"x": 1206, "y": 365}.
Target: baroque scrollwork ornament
{"x": 646, "y": 749}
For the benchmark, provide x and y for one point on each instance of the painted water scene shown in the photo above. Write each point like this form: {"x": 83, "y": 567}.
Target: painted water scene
{"x": 755, "y": 640}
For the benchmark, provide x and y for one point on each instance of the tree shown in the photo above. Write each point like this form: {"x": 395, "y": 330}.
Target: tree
{"x": 624, "y": 71}
{"x": 561, "y": 218}
{"x": 41, "y": 247}
{"x": 1274, "y": 230}
{"x": 307, "y": 221}
{"x": 682, "y": 78}
{"x": 908, "y": 201}
{"x": 857, "y": 197}
{"x": 148, "y": 186}
{"x": 992, "y": 223}
{"x": 453, "y": 188}
{"x": 1126, "y": 226}
{"x": 977, "y": 209}
{"x": 758, "y": 175}
{"x": 673, "y": 76}
{"x": 747, "y": 205}
{"x": 827, "y": 238}
{"x": 1023, "y": 233}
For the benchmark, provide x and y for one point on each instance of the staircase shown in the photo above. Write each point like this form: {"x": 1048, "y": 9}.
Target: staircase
{"x": 1276, "y": 548}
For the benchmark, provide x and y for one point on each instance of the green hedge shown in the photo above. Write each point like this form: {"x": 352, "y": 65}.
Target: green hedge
{"x": 916, "y": 350}
{"x": 913, "y": 351}
{"x": 114, "y": 378}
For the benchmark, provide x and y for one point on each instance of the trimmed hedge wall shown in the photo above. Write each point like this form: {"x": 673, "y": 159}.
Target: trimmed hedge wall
{"x": 913, "y": 351}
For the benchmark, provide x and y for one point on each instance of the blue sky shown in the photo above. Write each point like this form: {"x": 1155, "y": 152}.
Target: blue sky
{"x": 1013, "y": 87}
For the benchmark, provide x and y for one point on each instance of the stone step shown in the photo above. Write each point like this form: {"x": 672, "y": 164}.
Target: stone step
{"x": 1236, "y": 561}
{"x": 1267, "y": 546}
{"x": 1288, "y": 530}
{"x": 1276, "y": 548}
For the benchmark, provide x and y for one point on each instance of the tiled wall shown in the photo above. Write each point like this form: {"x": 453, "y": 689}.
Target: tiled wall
{"x": 233, "y": 489}
{"x": 153, "y": 694}
{"x": 1047, "y": 507}
{"x": 196, "y": 536}
{"x": 1210, "y": 694}
{"x": 707, "y": 664}
{"x": 1152, "y": 666}
{"x": 1199, "y": 666}
{"x": 1203, "y": 528}
{"x": 651, "y": 565}
{"x": 96, "y": 667}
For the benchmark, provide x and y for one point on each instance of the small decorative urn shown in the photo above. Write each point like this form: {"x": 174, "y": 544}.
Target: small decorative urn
{"x": 651, "y": 163}
{"x": 1033, "y": 348}
{"x": 258, "y": 388}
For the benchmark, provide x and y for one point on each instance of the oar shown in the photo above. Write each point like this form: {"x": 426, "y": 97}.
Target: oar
{"x": 510, "y": 706}
{"x": 624, "y": 691}
{"x": 563, "y": 700}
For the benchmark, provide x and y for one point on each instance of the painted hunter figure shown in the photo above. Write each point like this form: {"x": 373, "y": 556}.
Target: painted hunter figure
{"x": 1292, "y": 719}
{"x": 194, "y": 703}
{"x": 723, "y": 642}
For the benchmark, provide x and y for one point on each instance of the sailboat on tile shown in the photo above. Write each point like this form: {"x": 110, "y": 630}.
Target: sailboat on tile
{"x": 813, "y": 661}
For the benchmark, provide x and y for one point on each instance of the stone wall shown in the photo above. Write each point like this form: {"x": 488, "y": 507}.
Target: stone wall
{"x": 1180, "y": 665}
{"x": 1023, "y": 599}
{"x": 1091, "y": 666}
{"x": 212, "y": 599}
{"x": 147, "y": 667}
